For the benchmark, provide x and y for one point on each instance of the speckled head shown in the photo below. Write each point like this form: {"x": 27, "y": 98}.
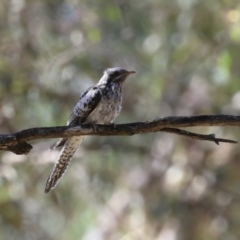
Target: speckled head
{"x": 116, "y": 74}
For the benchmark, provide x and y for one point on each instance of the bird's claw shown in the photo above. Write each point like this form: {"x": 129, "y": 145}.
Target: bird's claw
{"x": 94, "y": 127}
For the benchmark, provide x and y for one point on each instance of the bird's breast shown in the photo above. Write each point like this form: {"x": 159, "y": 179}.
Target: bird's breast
{"x": 108, "y": 108}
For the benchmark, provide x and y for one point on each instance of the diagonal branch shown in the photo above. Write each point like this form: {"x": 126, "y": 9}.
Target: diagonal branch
{"x": 208, "y": 137}
{"x": 17, "y": 142}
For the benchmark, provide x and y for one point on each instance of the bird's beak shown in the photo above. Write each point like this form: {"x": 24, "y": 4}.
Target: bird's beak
{"x": 130, "y": 72}
{"x": 124, "y": 76}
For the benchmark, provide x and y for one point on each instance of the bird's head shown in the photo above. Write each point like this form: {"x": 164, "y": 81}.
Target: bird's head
{"x": 115, "y": 75}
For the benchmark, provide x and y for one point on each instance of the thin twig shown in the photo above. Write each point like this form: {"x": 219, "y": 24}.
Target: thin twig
{"x": 208, "y": 137}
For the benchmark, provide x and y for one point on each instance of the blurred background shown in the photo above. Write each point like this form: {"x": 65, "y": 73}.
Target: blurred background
{"x": 155, "y": 186}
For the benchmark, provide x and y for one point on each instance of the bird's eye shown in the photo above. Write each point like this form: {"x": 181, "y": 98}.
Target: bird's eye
{"x": 114, "y": 74}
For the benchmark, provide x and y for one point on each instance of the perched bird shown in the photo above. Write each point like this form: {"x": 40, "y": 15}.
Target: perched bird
{"x": 100, "y": 104}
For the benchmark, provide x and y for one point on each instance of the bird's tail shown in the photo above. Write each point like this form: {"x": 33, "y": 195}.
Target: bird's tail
{"x": 60, "y": 143}
{"x": 65, "y": 158}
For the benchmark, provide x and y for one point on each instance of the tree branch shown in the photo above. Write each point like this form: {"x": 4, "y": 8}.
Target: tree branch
{"x": 208, "y": 137}
{"x": 17, "y": 142}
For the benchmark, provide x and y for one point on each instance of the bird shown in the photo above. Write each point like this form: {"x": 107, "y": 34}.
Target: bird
{"x": 99, "y": 104}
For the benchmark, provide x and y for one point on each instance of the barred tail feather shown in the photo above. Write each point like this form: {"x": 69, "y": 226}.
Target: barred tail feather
{"x": 60, "y": 143}
{"x": 65, "y": 158}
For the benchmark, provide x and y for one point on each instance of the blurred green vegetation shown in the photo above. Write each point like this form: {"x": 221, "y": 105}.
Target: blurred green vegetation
{"x": 156, "y": 186}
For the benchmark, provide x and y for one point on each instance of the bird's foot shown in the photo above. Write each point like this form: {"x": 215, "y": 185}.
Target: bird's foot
{"x": 94, "y": 127}
{"x": 112, "y": 124}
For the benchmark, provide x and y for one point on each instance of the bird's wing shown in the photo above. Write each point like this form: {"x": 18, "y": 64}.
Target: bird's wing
{"x": 85, "y": 106}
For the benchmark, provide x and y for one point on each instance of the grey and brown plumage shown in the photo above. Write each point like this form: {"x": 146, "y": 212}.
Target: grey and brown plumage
{"x": 100, "y": 104}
